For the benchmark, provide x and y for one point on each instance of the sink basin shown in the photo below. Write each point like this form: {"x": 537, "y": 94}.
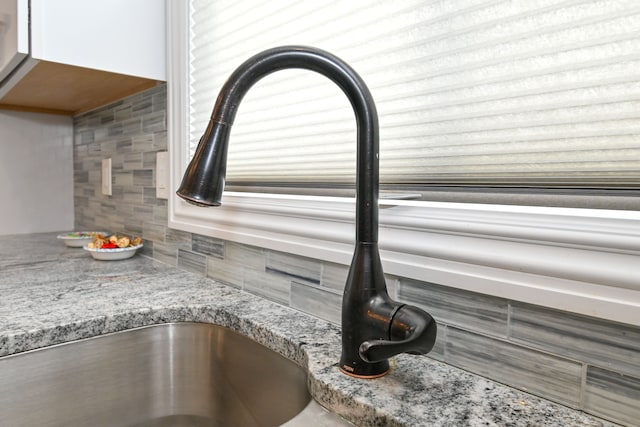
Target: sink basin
{"x": 180, "y": 374}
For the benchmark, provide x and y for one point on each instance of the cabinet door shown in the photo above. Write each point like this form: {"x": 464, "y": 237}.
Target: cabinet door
{"x": 14, "y": 34}
{"x": 118, "y": 36}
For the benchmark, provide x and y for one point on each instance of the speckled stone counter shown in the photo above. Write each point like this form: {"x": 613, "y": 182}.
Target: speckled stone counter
{"x": 53, "y": 294}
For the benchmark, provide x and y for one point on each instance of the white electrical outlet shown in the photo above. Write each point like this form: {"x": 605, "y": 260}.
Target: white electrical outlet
{"x": 162, "y": 175}
{"x": 106, "y": 177}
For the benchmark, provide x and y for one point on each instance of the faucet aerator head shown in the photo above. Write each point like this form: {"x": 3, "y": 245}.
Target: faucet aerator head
{"x": 199, "y": 203}
{"x": 203, "y": 181}
{"x": 200, "y": 190}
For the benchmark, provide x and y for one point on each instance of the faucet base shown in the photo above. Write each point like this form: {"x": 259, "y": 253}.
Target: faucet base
{"x": 365, "y": 377}
{"x": 356, "y": 367}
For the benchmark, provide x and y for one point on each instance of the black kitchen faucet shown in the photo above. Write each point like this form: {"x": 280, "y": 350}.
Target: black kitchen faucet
{"x": 374, "y": 327}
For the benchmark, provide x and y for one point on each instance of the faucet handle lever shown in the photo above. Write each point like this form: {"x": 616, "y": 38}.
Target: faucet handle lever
{"x": 411, "y": 330}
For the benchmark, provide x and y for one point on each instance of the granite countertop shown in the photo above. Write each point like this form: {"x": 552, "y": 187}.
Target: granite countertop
{"x": 53, "y": 294}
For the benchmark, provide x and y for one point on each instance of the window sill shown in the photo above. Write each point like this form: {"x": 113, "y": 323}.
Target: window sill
{"x": 579, "y": 260}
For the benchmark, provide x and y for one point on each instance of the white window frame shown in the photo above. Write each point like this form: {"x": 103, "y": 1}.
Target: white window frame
{"x": 584, "y": 261}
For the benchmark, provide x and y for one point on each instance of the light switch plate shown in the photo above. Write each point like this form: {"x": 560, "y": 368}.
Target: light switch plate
{"x": 162, "y": 175}
{"x": 106, "y": 177}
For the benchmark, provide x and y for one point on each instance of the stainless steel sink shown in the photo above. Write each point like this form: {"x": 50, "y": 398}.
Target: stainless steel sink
{"x": 180, "y": 374}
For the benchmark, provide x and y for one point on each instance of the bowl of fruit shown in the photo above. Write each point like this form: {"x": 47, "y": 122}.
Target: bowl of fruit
{"x": 78, "y": 239}
{"x": 114, "y": 247}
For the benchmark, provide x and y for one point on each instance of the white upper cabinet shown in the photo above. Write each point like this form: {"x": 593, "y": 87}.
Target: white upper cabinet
{"x": 120, "y": 36}
{"x": 81, "y": 54}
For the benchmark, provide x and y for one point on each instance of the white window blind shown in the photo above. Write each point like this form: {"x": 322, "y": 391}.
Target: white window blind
{"x": 530, "y": 92}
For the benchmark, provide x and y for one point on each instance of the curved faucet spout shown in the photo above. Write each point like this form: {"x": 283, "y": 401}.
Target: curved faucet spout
{"x": 370, "y": 319}
{"x": 203, "y": 181}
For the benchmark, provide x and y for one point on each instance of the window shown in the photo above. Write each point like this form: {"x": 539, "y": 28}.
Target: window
{"x": 525, "y": 98}
{"x": 471, "y": 95}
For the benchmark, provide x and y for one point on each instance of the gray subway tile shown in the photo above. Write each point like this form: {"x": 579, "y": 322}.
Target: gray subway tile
{"x": 125, "y": 127}
{"x": 86, "y": 193}
{"x": 124, "y": 179}
{"x": 481, "y": 313}
{"x": 149, "y": 160}
{"x": 99, "y": 112}
{"x": 334, "y": 276}
{"x": 147, "y": 249}
{"x": 86, "y": 136}
{"x": 130, "y": 193}
{"x": 81, "y": 176}
{"x": 165, "y": 253}
{"x": 159, "y": 101}
{"x": 122, "y": 113}
{"x": 106, "y": 117}
{"x": 594, "y": 341}
{"x": 79, "y": 152}
{"x": 193, "y": 262}
{"x": 132, "y": 161}
{"x": 160, "y": 140}
{"x": 530, "y": 370}
{"x": 80, "y": 201}
{"x": 317, "y": 301}
{"x": 267, "y": 285}
{"x": 240, "y": 261}
{"x": 153, "y": 231}
{"x": 181, "y": 239}
{"x": 101, "y": 133}
{"x": 393, "y": 283}
{"x": 612, "y": 395}
{"x": 208, "y": 245}
{"x": 94, "y": 148}
{"x": 223, "y": 271}
{"x": 160, "y": 212}
{"x": 143, "y": 177}
{"x": 123, "y": 145}
{"x": 117, "y": 160}
{"x": 438, "y": 351}
{"x": 154, "y": 122}
{"x": 253, "y": 258}
{"x": 143, "y": 143}
{"x": 143, "y": 212}
{"x": 149, "y": 197}
{"x": 133, "y": 226}
{"x": 296, "y": 267}
{"x": 141, "y": 106}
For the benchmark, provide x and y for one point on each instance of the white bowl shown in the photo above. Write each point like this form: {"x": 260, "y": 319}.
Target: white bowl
{"x": 113, "y": 254}
{"x": 78, "y": 239}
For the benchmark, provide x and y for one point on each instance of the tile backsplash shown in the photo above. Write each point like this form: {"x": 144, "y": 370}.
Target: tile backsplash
{"x": 585, "y": 363}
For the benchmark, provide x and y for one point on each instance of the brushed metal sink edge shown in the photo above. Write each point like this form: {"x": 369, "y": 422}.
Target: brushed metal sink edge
{"x": 171, "y": 374}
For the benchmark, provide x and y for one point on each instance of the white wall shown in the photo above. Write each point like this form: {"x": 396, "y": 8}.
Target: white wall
{"x": 36, "y": 173}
